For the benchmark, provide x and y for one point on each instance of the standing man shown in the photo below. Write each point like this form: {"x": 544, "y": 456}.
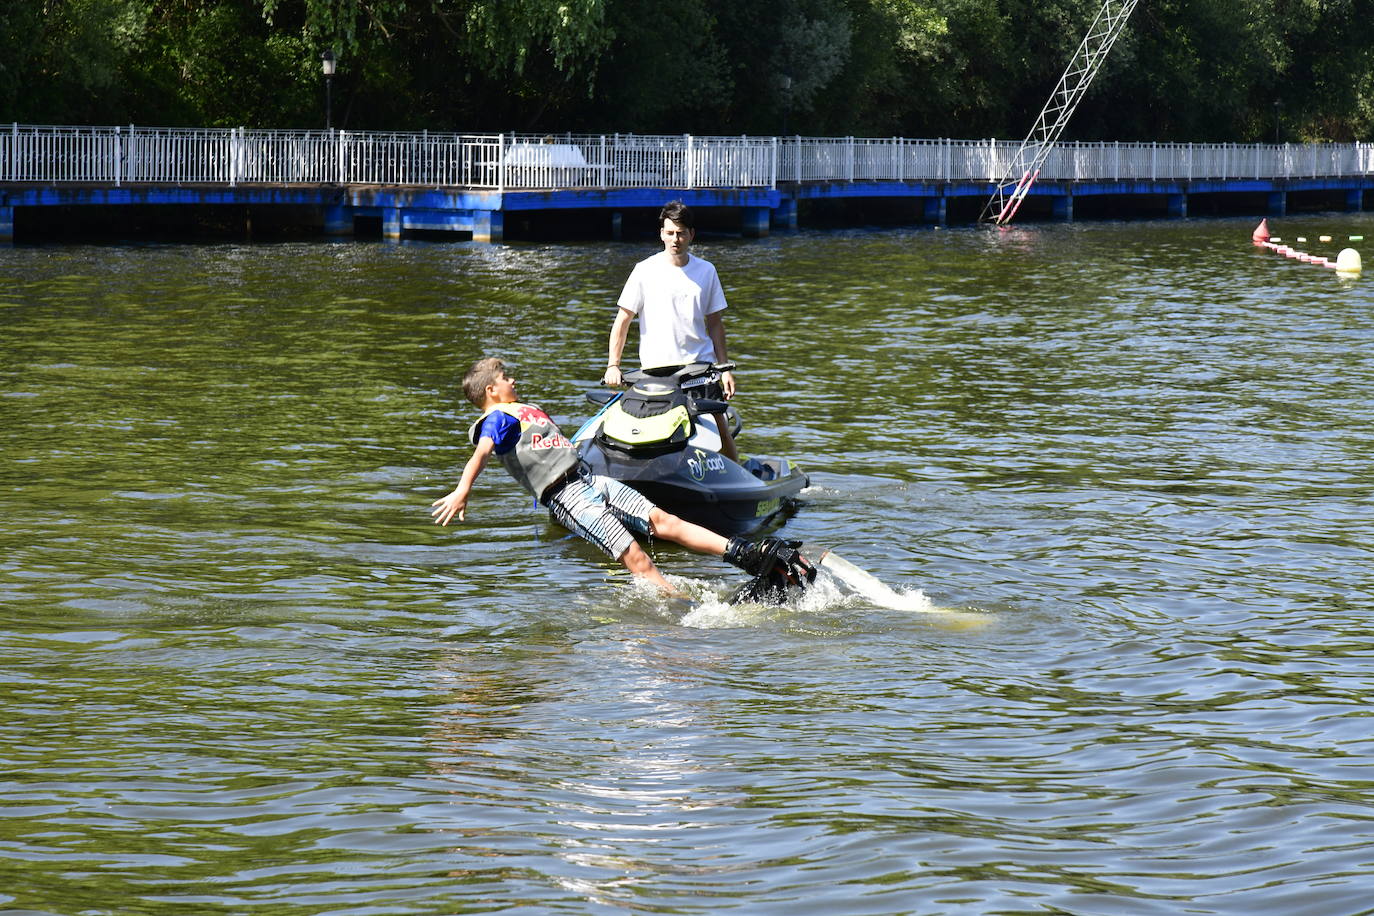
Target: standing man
{"x": 678, "y": 300}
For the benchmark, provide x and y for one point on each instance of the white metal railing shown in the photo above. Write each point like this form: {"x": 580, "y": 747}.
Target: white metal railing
{"x": 123, "y": 155}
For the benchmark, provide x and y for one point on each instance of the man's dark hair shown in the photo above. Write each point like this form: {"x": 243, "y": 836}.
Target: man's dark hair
{"x": 679, "y": 213}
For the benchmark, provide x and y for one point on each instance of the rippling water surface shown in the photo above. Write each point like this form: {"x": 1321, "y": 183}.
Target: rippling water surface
{"x": 1115, "y": 479}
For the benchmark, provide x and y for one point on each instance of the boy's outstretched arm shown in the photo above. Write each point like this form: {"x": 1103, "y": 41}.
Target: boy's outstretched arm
{"x": 456, "y": 503}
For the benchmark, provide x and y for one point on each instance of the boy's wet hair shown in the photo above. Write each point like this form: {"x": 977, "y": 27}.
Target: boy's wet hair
{"x": 679, "y": 213}
{"x": 484, "y": 372}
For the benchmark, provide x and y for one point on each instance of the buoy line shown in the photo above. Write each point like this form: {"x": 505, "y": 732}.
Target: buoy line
{"x": 1347, "y": 263}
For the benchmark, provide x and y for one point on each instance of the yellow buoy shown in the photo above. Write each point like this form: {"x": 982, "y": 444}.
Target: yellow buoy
{"x": 1324, "y": 238}
{"x": 1348, "y": 261}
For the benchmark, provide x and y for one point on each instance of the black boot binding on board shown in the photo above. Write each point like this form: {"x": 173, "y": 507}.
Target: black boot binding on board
{"x": 777, "y": 566}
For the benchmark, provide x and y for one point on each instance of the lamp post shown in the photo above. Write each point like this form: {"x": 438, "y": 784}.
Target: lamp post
{"x": 327, "y": 60}
{"x": 1278, "y": 111}
{"x": 786, "y": 82}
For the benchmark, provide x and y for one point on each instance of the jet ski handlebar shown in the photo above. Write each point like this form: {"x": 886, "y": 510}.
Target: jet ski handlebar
{"x": 603, "y": 396}
{"x": 689, "y": 376}
{"x": 686, "y": 376}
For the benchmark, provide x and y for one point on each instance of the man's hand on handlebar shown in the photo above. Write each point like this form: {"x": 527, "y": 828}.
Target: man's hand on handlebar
{"x": 613, "y": 378}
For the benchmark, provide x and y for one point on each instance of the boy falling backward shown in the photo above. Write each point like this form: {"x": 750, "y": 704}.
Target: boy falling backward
{"x": 597, "y": 508}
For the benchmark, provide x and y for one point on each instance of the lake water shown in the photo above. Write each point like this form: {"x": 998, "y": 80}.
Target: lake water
{"x": 1114, "y": 478}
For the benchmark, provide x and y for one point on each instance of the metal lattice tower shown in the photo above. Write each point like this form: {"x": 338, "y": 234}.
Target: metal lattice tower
{"x": 1035, "y": 149}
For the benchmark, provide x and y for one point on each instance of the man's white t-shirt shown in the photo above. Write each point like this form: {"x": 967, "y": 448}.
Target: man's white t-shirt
{"x": 672, "y": 304}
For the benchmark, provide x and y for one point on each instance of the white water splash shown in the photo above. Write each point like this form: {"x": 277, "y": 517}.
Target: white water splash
{"x": 868, "y": 586}
{"x": 839, "y": 586}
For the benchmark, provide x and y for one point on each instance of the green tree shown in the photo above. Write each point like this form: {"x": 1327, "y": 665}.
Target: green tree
{"x": 61, "y": 60}
{"x": 1203, "y": 70}
{"x": 665, "y": 71}
{"x": 219, "y": 63}
{"x": 1331, "y": 50}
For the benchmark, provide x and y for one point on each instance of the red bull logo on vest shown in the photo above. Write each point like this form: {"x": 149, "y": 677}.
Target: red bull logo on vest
{"x": 557, "y": 440}
{"x": 533, "y": 415}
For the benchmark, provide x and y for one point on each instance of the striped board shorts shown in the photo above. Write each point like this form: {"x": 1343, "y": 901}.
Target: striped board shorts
{"x": 603, "y": 511}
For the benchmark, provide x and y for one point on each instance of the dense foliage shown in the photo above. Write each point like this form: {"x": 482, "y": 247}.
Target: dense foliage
{"x": 1198, "y": 70}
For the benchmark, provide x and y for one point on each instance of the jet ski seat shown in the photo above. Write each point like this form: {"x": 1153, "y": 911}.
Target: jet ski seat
{"x": 650, "y": 419}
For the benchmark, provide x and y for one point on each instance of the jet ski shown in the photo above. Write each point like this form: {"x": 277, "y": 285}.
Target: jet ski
{"x": 658, "y": 437}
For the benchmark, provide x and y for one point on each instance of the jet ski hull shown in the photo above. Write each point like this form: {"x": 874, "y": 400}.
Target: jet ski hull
{"x": 704, "y": 487}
